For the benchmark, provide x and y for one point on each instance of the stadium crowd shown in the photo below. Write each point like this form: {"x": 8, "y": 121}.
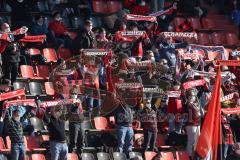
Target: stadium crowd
{"x": 138, "y": 83}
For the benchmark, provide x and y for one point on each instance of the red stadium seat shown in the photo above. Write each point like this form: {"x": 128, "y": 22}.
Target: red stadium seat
{"x": 50, "y": 55}
{"x": 196, "y": 25}
{"x": 38, "y": 157}
{"x": 49, "y": 88}
{"x": 100, "y": 123}
{"x": 27, "y": 71}
{"x": 232, "y": 39}
{"x": 203, "y": 39}
{"x": 64, "y": 53}
{"x": 167, "y": 156}
{"x": 3, "y": 147}
{"x": 43, "y": 71}
{"x": 72, "y": 156}
{"x": 8, "y": 143}
{"x": 150, "y": 155}
{"x": 180, "y": 155}
{"x": 218, "y": 39}
{"x": 138, "y": 140}
{"x": 160, "y": 140}
{"x": 178, "y": 21}
{"x": 99, "y": 6}
{"x": 34, "y": 51}
{"x": 208, "y": 23}
{"x": 27, "y": 157}
{"x": 113, "y": 6}
{"x": 33, "y": 145}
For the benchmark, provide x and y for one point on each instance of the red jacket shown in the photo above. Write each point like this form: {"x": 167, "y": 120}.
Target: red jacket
{"x": 58, "y": 27}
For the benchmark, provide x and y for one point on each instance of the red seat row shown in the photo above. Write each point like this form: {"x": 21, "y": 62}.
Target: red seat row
{"x": 106, "y": 7}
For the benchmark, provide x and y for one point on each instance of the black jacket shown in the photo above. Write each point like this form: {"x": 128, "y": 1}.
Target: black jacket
{"x": 84, "y": 40}
{"x": 124, "y": 116}
{"x": 56, "y": 128}
{"x": 9, "y": 55}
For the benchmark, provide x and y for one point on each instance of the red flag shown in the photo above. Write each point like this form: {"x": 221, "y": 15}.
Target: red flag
{"x": 210, "y": 137}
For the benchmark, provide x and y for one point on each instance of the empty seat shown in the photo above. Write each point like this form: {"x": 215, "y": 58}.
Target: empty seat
{"x": 64, "y": 53}
{"x": 232, "y": 39}
{"x": 208, "y": 23}
{"x": 160, "y": 140}
{"x": 42, "y": 71}
{"x": 119, "y": 156}
{"x": 34, "y": 51}
{"x": 178, "y": 21}
{"x": 181, "y": 155}
{"x": 203, "y": 39}
{"x": 99, "y": 6}
{"x": 33, "y": 145}
{"x": 37, "y": 124}
{"x": 3, "y": 147}
{"x": 150, "y": 155}
{"x": 166, "y": 156}
{"x": 49, "y": 88}
{"x": 35, "y": 88}
{"x": 103, "y": 156}
{"x": 38, "y": 157}
{"x": 87, "y": 156}
{"x": 196, "y": 25}
{"x": 113, "y": 6}
{"x": 27, "y": 71}
{"x": 20, "y": 85}
{"x": 72, "y": 156}
{"x": 135, "y": 154}
{"x": 100, "y": 123}
{"x": 218, "y": 39}
{"x": 50, "y": 55}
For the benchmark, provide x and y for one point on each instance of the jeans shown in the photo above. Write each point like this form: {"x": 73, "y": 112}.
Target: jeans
{"x": 193, "y": 132}
{"x": 76, "y": 134}
{"x": 90, "y": 99}
{"x": 18, "y": 151}
{"x": 150, "y": 138}
{"x": 125, "y": 139}
{"x": 58, "y": 150}
{"x": 172, "y": 124}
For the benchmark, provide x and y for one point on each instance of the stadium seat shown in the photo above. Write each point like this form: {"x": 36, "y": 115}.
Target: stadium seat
{"x": 208, "y": 23}
{"x": 72, "y": 156}
{"x": 64, "y": 53}
{"x": 50, "y": 55}
{"x": 103, "y": 156}
{"x": 160, "y": 140}
{"x": 135, "y": 154}
{"x": 99, "y": 6}
{"x": 27, "y": 71}
{"x": 43, "y": 71}
{"x": 27, "y": 157}
{"x": 35, "y": 88}
{"x": 232, "y": 39}
{"x": 178, "y": 21}
{"x": 203, "y": 39}
{"x": 138, "y": 139}
{"x": 180, "y": 155}
{"x": 150, "y": 155}
{"x": 37, "y": 124}
{"x": 3, "y": 148}
{"x": 38, "y": 157}
{"x": 34, "y": 51}
{"x": 8, "y": 143}
{"x": 196, "y": 25}
{"x": 100, "y": 123}
{"x": 218, "y": 39}
{"x": 87, "y": 156}
{"x": 119, "y": 156}
{"x": 33, "y": 145}
{"x": 166, "y": 156}
{"x": 20, "y": 85}
{"x": 49, "y": 88}
{"x": 113, "y": 6}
